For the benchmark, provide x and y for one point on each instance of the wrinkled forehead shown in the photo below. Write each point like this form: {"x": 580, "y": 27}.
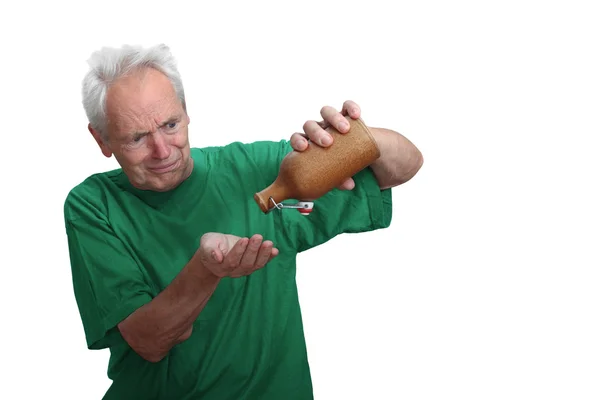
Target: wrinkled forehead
{"x": 140, "y": 100}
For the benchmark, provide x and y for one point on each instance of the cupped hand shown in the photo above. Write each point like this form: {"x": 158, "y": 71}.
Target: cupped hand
{"x": 233, "y": 256}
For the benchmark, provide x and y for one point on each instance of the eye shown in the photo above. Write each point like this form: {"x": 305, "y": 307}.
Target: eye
{"x": 171, "y": 125}
{"x": 136, "y": 141}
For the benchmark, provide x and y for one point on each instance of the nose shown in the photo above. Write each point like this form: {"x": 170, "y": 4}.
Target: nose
{"x": 160, "y": 149}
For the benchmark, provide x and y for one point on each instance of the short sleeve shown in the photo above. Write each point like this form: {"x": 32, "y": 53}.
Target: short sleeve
{"x": 365, "y": 208}
{"x": 362, "y": 209}
{"x": 107, "y": 282}
{"x": 266, "y": 156}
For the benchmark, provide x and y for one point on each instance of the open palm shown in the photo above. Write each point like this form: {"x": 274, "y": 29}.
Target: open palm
{"x": 232, "y": 256}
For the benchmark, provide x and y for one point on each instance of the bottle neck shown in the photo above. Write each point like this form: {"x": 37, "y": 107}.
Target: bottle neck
{"x": 272, "y": 195}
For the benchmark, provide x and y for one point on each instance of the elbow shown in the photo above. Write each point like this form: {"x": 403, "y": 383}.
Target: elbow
{"x": 151, "y": 349}
{"x": 150, "y": 354}
{"x": 186, "y": 335}
{"x": 147, "y": 351}
{"x": 142, "y": 345}
{"x": 156, "y": 356}
{"x": 152, "y": 357}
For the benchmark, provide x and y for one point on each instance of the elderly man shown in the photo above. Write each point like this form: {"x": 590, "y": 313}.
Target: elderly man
{"x": 175, "y": 268}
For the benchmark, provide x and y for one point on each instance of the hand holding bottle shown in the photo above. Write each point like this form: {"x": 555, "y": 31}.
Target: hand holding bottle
{"x": 316, "y": 133}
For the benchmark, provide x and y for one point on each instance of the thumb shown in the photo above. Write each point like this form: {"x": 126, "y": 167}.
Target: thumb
{"x": 348, "y": 184}
{"x": 216, "y": 255}
{"x": 211, "y": 247}
{"x": 219, "y": 251}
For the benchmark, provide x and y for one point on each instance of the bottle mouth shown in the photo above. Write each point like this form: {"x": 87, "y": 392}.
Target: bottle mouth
{"x": 264, "y": 206}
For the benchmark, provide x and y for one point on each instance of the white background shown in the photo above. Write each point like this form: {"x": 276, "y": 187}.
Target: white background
{"x": 487, "y": 285}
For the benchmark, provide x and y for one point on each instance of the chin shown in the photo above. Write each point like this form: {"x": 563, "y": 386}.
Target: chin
{"x": 162, "y": 182}
{"x": 165, "y": 184}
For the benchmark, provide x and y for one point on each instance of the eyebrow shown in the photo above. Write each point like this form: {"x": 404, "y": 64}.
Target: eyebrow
{"x": 137, "y": 134}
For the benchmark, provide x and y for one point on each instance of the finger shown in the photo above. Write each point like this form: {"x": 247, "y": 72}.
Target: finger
{"x": 236, "y": 253}
{"x": 348, "y": 184}
{"x": 317, "y": 134}
{"x": 351, "y": 109}
{"x": 264, "y": 254}
{"x": 299, "y": 141}
{"x": 274, "y": 253}
{"x": 249, "y": 258}
{"x": 335, "y": 119}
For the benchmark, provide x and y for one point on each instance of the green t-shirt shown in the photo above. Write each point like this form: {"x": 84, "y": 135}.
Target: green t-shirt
{"x": 127, "y": 245}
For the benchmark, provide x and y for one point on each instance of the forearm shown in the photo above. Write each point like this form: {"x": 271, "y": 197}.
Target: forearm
{"x": 400, "y": 159}
{"x": 153, "y": 329}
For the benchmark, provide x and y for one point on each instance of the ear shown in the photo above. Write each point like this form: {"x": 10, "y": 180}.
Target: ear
{"x": 101, "y": 143}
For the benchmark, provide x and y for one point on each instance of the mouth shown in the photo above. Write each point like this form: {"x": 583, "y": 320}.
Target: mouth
{"x": 165, "y": 168}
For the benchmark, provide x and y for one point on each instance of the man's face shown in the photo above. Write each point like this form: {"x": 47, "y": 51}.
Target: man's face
{"x": 147, "y": 131}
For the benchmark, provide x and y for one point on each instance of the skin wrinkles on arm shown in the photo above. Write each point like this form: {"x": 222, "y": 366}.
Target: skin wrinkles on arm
{"x": 153, "y": 329}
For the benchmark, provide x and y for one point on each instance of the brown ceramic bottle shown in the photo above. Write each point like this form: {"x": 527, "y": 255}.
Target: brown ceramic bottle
{"x": 308, "y": 175}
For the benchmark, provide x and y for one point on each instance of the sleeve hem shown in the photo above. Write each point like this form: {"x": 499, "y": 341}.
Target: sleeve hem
{"x": 381, "y": 206}
{"x": 379, "y": 202}
{"x": 105, "y": 339}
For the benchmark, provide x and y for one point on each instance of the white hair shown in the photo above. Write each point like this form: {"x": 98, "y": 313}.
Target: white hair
{"x": 108, "y": 64}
